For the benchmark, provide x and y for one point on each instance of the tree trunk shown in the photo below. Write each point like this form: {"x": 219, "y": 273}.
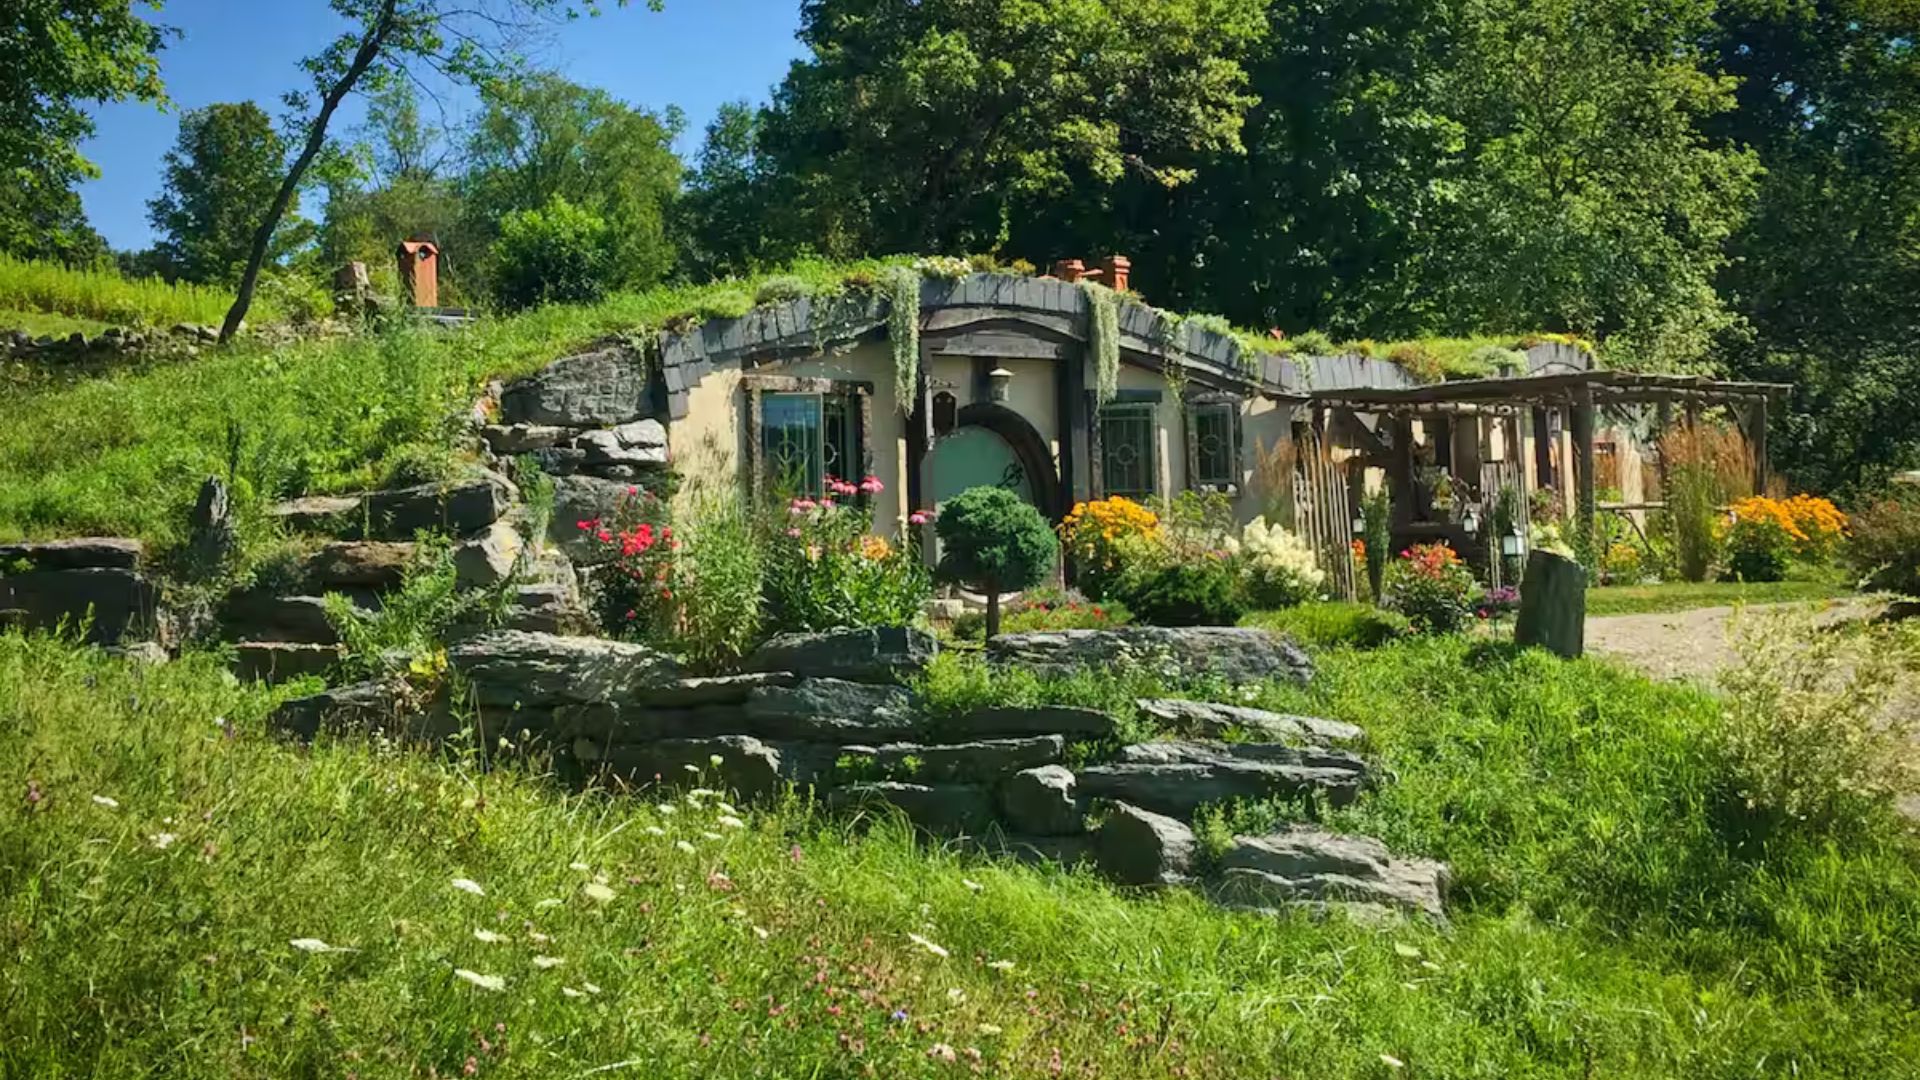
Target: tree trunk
{"x": 1553, "y": 605}
{"x": 363, "y": 59}
{"x": 993, "y": 613}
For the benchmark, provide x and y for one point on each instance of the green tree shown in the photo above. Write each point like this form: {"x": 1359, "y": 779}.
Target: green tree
{"x": 994, "y": 541}
{"x": 475, "y": 43}
{"x": 926, "y": 127}
{"x": 55, "y": 56}
{"x": 721, "y": 219}
{"x": 558, "y": 254}
{"x": 218, "y": 181}
{"x": 542, "y": 136}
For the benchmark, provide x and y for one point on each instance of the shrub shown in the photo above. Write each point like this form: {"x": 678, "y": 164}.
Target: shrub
{"x": 1376, "y": 521}
{"x": 1767, "y": 534}
{"x": 557, "y": 254}
{"x": 418, "y": 463}
{"x": 1280, "y": 568}
{"x": 995, "y": 541}
{"x": 825, "y": 569}
{"x": 1196, "y": 592}
{"x": 1312, "y": 343}
{"x": 303, "y": 300}
{"x": 1331, "y": 623}
{"x": 1886, "y": 544}
{"x": 632, "y": 592}
{"x": 1808, "y": 731}
{"x": 1432, "y": 588}
{"x": 781, "y": 287}
{"x": 1107, "y": 537}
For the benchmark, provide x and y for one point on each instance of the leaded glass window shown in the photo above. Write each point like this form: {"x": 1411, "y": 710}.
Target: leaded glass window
{"x": 805, "y": 438}
{"x": 1214, "y": 466}
{"x": 1128, "y": 464}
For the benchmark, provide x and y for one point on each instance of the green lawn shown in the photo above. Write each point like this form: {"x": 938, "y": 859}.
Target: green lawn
{"x": 1686, "y": 596}
{"x": 160, "y": 855}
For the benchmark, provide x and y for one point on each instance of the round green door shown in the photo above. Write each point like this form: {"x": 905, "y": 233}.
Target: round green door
{"x": 973, "y": 457}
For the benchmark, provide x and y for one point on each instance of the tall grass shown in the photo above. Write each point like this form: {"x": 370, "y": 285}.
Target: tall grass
{"x": 1707, "y": 466}
{"x": 154, "y": 936}
{"x": 104, "y": 295}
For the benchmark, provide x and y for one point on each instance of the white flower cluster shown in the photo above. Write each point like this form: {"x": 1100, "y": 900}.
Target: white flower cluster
{"x": 1278, "y": 557}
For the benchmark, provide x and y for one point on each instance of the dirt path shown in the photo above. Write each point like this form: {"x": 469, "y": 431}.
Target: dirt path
{"x": 1683, "y": 644}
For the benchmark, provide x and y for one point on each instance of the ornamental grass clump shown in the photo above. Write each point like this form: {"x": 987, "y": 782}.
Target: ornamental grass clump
{"x": 1431, "y": 586}
{"x": 1885, "y": 550}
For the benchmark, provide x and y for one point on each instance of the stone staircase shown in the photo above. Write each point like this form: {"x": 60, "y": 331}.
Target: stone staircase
{"x": 833, "y": 713}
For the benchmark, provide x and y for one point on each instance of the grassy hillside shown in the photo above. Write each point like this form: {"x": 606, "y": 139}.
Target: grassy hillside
{"x": 160, "y": 856}
{"x": 105, "y": 296}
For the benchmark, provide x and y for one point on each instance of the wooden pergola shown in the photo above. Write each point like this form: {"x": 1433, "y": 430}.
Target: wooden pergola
{"x": 1578, "y": 397}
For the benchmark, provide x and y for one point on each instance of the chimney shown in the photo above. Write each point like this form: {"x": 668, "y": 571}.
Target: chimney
{"x": 1115, "y": 269}
{"x": 1069, "y": 270}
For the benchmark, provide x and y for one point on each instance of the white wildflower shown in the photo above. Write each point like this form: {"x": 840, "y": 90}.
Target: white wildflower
{"x": 655, "y": 830}
{"x": 699, "y": 793}
{"x": 1001, "y": 965}
{"x": 928, "y": 945}
{"x": 597, "y": 892}
{"x": 989, "y": 1029}
{"x": 107, "y": 801}
{"x": 489, "y": 937}
{"x": 971, "y": 884}
{"x": 683, "y": 846}
{"x": 571, "y": 992}
{"x": 692, "y": 768}
{"x": 484, "y": 982}
{"x": 547, "y": 963}
{"x": 589, "y": 988}
{"x": 1392, "y": 1062}
{"x": 714, "y": 760}
{"x": 730, "y": 822}
{"x": 726, "y": 808}
{"x": 711, "y": 836}
{"x": 539, "y": 938}
{"x": 549, "y": 902}
{"x": 761, "y": 933}
{"x": 1401, "y": 948}
{"x": 163, "y": 840}
{"x": 314, "y": 944}
{"x": 468, "y": 885}
{"x": 580, "y": 867}
{"x": 956, "y": 995}
{"x": 667, "y": 808}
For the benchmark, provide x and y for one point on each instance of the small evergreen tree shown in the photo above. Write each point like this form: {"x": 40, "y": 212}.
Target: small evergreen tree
{"x": 996, "y": 542}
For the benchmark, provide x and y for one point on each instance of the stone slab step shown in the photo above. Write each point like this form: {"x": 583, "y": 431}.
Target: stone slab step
{"x": 78, "y": 553}
{"x": 976, "y": 762}
{"x": 1310, "y": 865}
{"x": 274, "y": 662}
{"x": 1213, "y": 721}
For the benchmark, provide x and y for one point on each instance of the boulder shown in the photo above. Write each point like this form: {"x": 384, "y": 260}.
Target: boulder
{"x": 641, "y": 444}
{"x": 831, "y": 710}
{"x": 1041, "y": 802}
{"x": 545, "y": 608}
{"x": 488, "y": 559}
{"x": 80, "y": 553}
{"x": 116, "y": 604}
{"x": 461, "y": 509}
{"x": 371, "y": 564}
{"x": 514, "y": 667}
{"x": 717, "y": 690}
{"x": 1138, "y": 847}
{"x": 945, "y": 809}
{"x": 974, "y": 761}
{"x": 1310, "y": 865}
{"x": 748, "y": 767}
{"x": 279, "y": 661}
{"x": 889, "y": 654}
{"x": 368, "y": 706}
{"x": 1214, "y": 721}
{"x": 999, "y": 721}
{"x": 607, "y": 386}
{"x": 256, "y": 616}
{"x": 1178, "y": 779}
{"x": 1236, "y": 654}
{"x": 329, "y": 514}
{"x": 583, "y": 498}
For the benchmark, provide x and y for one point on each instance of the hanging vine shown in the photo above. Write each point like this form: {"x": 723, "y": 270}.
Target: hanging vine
{"x": 902, "y": 285}
{"x": 1103, "y": 338}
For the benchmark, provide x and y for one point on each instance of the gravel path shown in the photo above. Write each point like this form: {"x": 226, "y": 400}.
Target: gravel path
{"x": 1684, "y": 644}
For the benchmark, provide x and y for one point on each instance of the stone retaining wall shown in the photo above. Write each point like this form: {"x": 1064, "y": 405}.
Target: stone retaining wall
{"x": 66, "y": 582}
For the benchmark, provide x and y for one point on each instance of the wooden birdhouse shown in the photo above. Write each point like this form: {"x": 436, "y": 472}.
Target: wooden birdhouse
{"x": 419, "y": 265}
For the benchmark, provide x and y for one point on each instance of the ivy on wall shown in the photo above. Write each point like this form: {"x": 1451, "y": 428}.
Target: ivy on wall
{"x": 902, "y": 284}
{"x": 1103, "y": 339}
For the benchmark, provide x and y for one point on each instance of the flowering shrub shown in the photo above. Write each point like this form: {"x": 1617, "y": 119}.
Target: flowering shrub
{"x": 632, "y": 593}
{"x": 1886, "y": 544}
{"x": 825, "y": 568}
{"x": 1106, "y": 538}
{"x": 1431, "y": 586}
{"x": 1504, "y": 600}
{"x": 1280, "y": 568}
{"x": 1768, "y": 533}
{"x": 1622, "y": 564}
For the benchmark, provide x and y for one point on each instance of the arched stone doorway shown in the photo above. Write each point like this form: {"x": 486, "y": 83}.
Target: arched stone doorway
{"x": 991, "y": 445}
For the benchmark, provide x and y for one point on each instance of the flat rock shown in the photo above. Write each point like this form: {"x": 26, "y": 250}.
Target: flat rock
{"x": 1237, "y": 654}
{"x": 115, "y": 605}
{"x": 870, "y": 654}
{"x": 372, "y": 564}
{"x": 999, "y": 721}
{"x": 1180, "y": 787}
{"x": 368, "y": 706}
{"x": 1213, "y": 721}
{"x": 1308, "y": 864}
{"x": 253, "y": 616}
{"x": 748, "y": 766}
{"x": 716, "y": 690}
{"x": 1041, "y": 801}
{"x": 530, "y": 669}
{"x": 78, "y": 553}
{"x": 945, "y": 809}
{"x": 278, "y": 661}
{"x": 1226, "y": 754}
{"x": 983, "y": 761}
{"x": 318, "y": 513}
{"x": 511, "y": 439}
{"x": 831, "y": 710}
{"x": 607, "y": 386}
{"x": 460, "y": 509}
{"x": 488, "y": 559}
{"x": 1139, "y": 847}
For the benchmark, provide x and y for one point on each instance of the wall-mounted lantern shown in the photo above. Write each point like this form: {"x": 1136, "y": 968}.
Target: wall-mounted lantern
{"x": 1513, "y": 545}
{"x": 999, "y": 384}
{"x": 1470, "y": 520}
{"x": 1359, "y": 526}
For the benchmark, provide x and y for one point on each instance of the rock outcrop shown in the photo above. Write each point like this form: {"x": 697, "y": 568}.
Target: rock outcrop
{"x": 1236, "y": 654}
{"x": 94, "y": 582}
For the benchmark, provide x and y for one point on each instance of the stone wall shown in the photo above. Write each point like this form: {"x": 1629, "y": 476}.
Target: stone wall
{"x": 99, "y": 581}
{"x": 835, "y": 714}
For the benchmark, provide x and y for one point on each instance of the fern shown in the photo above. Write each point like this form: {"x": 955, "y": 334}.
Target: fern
{"x": 903, "y": 327}
{"x": 1103, "y": 338}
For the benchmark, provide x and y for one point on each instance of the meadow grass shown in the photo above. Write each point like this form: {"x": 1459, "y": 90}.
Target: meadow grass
{"x": 1602, "y": 927}
{"x": 1688, "y": 595}
{"x": 48, "y": 324}
{"x": 105, "y": 296}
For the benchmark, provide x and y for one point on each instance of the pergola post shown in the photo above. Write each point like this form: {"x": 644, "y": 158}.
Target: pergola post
{"x": 1580, "y": 421}
{"x": 1400, "y": 476}
{"x": 1757, "y": 442}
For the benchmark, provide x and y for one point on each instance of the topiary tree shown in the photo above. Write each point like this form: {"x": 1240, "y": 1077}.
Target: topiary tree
{"x": 994, "y": 541}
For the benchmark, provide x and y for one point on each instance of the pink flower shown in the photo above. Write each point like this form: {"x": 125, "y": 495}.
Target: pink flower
{"x": 801, "y": 506}
{"x": 872, "y": 485}
{"x": 918, "y": 517}
{"x": 633, "y": 489}
{"x": 795, "y": 533}
{"x": 826, "y": 504}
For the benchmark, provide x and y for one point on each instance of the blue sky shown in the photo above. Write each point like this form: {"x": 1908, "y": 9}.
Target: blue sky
{"x": 698, "y": 54}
